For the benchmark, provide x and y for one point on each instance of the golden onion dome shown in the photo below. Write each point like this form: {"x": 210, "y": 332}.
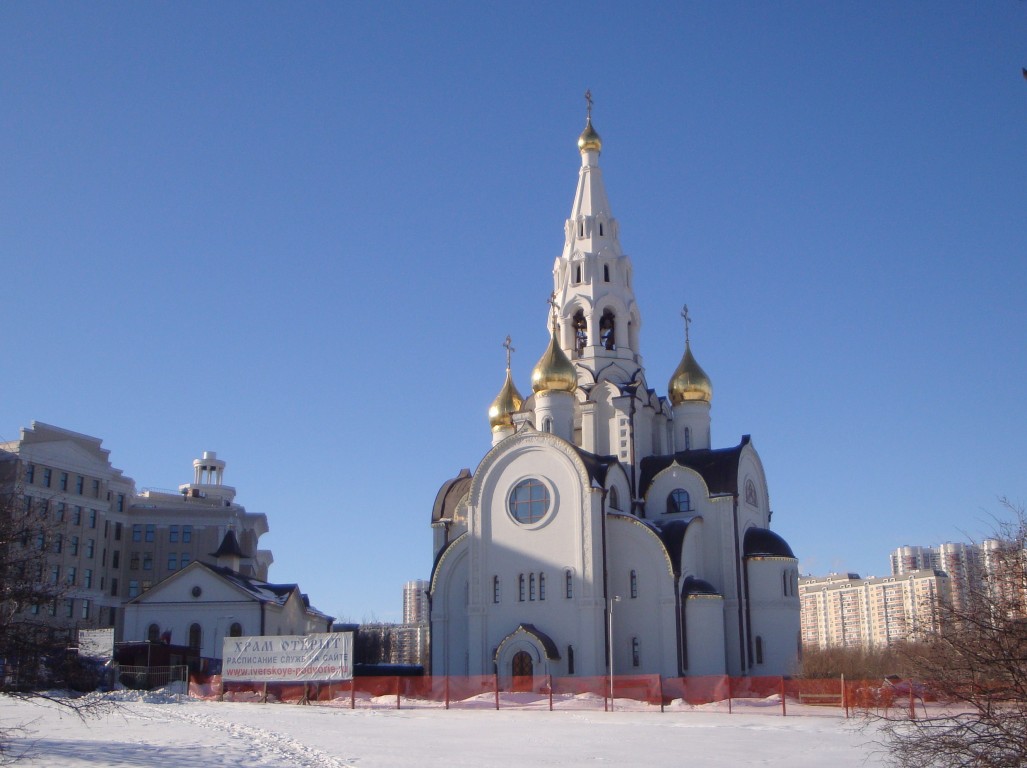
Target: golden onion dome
{"x": 589, "y": 140}
{"x": 554, "y": 371}
{"x": 689, "y": 384}
{"x": 507, "y": 403}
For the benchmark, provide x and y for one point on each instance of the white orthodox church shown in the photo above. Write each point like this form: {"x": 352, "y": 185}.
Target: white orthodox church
{"x": 602, "y": 514}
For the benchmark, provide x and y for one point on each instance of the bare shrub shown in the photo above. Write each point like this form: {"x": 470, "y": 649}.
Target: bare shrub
{"x": 854, "y": 663}
{"x": 976, "y": 663}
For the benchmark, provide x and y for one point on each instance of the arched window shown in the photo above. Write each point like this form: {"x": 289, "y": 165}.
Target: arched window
{"x": 580, "y": 332}
{"x": 195, "y": 635}
{"x": 759, "y": 649}
{"x": 688, "y": 438}
{"x": 520, "y": 587}
{"x": 152, "y": 633}
{"x": 581, "y": 229}
{"x": 541, "y": 586}
{"x": 577, "y": 274}
{"x": 531, "y": 586}
{"x": 570, "y": 659}
{"x": 568, "y": 579}
{"x": 634, "y": 583}
{"x": 636, "y": 652}
{"x": 786, "y": 578}
{"x": 678, "y": 501}
{"x": 606, "y": 267}
{"x": 614, "y": 498}
{"x": 600, "y": 235}
{"x": 495, "y": 589}
{"x": 235, "y": 630}
{"x": 750, "y": 493}
{"x": 607, "y": 336}
{"x": 547, "y": 425}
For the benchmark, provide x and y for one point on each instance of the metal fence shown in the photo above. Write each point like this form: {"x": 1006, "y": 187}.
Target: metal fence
{"x": 148, "y": 678}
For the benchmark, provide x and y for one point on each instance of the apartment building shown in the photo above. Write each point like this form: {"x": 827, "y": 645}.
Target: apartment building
{"x": 103, "y": 542}
{"x": 965, "y": 564}
{"x": 849, "y": 611}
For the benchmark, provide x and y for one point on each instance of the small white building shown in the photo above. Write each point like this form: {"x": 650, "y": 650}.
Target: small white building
{"x": 202, "y": 604}
{"x": 602, "y": 507}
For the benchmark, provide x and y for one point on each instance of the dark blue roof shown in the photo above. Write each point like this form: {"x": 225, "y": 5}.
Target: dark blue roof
{"x": 763, "y": 541}
{"x": 718, "y": 467}
{"x": 694, "y": 586}
{"x": 672, "y": 534}
{"x": 229, "y": 546}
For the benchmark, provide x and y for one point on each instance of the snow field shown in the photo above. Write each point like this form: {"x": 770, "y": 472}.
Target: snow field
{"x": 159, "y": 729}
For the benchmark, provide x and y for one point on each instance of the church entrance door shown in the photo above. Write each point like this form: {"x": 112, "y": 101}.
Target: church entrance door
{"x": 522, "y": 671}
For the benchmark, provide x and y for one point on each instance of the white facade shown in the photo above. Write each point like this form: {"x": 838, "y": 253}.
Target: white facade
{"x": 202, "y": 604}
{"x": 598, "y": 495}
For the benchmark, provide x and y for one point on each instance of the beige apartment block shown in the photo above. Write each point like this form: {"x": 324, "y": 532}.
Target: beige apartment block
{"x": 104, "y": 542}
{"x": 849, "y": 611}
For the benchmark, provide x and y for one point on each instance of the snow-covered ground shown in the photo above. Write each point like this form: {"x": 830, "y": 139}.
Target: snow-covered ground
{"x": 177, "y": 732}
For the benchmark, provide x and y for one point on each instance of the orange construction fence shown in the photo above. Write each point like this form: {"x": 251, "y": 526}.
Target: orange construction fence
{"x": 770, "y": 695}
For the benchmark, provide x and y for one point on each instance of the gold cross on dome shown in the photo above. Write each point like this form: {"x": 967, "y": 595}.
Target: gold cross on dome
{"x": 588, "y": 98}
{"x": 552, "y": 302}
{"x": 509, "y": 348}
{"x": 688, "y": 321}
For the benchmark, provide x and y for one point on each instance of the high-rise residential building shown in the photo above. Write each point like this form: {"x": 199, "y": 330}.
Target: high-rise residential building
{"x": 602, "y": 531}
{"x": 411, "y": 637}
{"x": 849, "y": 611}
{"x": 964, "y": 564}
{"x": 103, "y": 541}
{"x": 415, "y": 602}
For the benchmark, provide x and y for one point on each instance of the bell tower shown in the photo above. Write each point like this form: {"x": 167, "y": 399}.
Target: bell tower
{"x": 599, "y": 322}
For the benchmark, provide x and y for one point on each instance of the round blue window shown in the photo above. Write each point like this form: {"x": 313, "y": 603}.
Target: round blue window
{"x": 529, "y": 501}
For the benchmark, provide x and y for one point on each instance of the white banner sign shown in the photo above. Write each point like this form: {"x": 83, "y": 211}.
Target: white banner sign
{"x": 284, "y": 658}
{"x": 96, "y": 643}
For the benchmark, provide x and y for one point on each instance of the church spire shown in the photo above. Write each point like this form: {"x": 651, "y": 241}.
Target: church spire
{"x": 598, "y": 320}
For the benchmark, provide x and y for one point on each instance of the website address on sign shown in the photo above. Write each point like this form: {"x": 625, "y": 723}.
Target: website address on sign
{"x": 282, "y": 671}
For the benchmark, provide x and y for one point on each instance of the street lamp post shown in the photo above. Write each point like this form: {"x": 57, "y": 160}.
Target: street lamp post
{"x": 609, "y": 628}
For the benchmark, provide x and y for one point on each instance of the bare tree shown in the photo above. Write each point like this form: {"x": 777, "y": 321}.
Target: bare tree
{"x": 34, "y": 647}
{"x": 855, "y": 663}
{"x": 976, "y": 665}
{"x": 372, "y": 643}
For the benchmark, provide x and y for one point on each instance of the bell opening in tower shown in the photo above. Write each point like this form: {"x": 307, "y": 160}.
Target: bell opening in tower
{"x": 580, "y": 333}
{"x": 606, "y": 330}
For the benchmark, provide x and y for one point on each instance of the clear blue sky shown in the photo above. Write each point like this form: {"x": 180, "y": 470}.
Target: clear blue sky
{"x": 297, "y": 234}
